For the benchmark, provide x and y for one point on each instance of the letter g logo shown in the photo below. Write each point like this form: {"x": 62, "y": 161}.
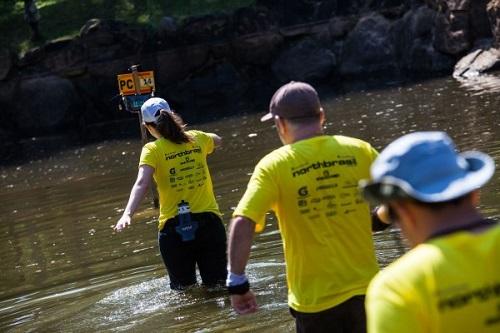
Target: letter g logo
{"x": 303, "y": 191}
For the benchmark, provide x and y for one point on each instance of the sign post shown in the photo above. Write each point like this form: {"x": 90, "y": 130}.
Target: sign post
{"x": 136, "y": 88}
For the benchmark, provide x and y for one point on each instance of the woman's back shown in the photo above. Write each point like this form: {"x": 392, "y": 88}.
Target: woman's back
{"x": 182, "y": 174}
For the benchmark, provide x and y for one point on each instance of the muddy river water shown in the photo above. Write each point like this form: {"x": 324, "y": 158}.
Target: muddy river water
{"x": 63, "y": 269}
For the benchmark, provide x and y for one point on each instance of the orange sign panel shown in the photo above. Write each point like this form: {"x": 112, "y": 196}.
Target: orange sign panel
{"x": 127, "y": 86}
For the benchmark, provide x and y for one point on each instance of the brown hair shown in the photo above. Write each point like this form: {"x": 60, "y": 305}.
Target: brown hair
{"x": 171, "y": 126}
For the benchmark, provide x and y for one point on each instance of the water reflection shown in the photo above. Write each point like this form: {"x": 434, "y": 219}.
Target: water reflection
{"x": 63, "y": 268}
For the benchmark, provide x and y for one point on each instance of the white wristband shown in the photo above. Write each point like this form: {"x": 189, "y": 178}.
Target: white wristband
{"x": 235, "y": 279}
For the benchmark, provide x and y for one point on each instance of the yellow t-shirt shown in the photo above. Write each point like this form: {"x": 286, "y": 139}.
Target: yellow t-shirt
{"x": 181, "y": 173}
{"x": 312, "y": 186}
{"x": 449, "y": 284}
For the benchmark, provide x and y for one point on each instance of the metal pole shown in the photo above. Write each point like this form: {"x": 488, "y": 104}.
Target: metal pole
{"x": 135, "y": 76}
{"x": 144, "y": 134}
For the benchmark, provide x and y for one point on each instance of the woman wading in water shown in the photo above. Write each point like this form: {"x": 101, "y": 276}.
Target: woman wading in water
{"x": 190, "y": 228}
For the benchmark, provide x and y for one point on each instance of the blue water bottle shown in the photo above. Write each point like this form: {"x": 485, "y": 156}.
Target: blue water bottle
{"x": 187, "y": 227}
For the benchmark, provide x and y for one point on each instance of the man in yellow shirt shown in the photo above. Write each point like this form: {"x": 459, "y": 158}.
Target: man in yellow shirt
{"x": 450, "y": 280}
{"x": 311, "y": 185}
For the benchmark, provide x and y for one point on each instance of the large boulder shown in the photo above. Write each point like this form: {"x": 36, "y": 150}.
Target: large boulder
{"x": 369, "y": 48}
{"x": 167, "y": 28}
{"x": 219, "y": 88}
{"x": 206, "y": 28}
{"x": 175, "y": 65}
{"x": 109, "y": 39}
{"x": 43, "y": 104}
{"x": 5, "y": 63}
{"x": 459, "y": 24}
{"x": 494, "y": 17}
{"x": 340, "y": 26}
{"x": 257, "y": 49}
{"x": 452, "y": 32}
{"x": 249, "y": 20}
{"x": 65, "y": 56}
{"x": 413, "y": 35}
{"x": 289, "y": 12}
{"x": 305, "y": 61}
{"x": 479, "y": 23}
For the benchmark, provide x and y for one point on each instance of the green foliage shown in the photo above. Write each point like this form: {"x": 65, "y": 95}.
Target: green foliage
{"x": 61, "y": 18}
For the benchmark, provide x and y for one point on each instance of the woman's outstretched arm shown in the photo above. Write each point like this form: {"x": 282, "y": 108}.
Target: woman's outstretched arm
{"x": 144, "y": 177}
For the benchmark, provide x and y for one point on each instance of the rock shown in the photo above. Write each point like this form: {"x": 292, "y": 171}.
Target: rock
{"x": 257, "y": 49}
{"x": 477, "y": 62}
{"x": 289, "y": 12}
{"x": 493, "y": 9}
{"x": 249, "y": 20}
{"x": 452, "y": 32}
{"x": 167, "y": 28}
{"x": 5, "y": 63}
{"x": 206, "y": 28}
{"x": 108, "y": 39}
{"x": 369, "y": 48}
{"x": 31, "y": 57}
{"x": 340, "y": 26}
{"x": 305, "y": 61}
{"x": 219, "y": 87}
{"x": 479, "y": 23}
{"x": 97, "y": 32}
{"x": 64, "y": 56}
{"x": 175, "y": 65}
{"x": 460, "y": 23}
{"x": 413, "y": 36}
{"x": 48, "y": 103}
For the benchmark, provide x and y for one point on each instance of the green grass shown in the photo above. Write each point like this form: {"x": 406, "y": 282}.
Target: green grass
{"x": 62, "y": 18}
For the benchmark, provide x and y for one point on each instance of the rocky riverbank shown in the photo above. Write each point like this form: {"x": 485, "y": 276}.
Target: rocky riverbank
{"x": 227, "y": 61}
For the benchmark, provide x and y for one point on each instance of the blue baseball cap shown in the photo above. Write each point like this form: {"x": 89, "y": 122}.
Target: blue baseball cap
{"x": 425, "y": 166}
{"x": 151, "y": 109}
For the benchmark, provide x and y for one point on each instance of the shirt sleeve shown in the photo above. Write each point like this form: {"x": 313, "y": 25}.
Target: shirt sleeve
{"x": 259, "y": 196}
{"x": 148, "y": 156}
{"x": 205, "y": 140}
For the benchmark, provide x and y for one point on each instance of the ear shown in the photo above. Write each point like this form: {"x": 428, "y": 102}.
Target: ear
{"x": 281, "y": 125}
{"x": 475, "y": 198}
{"x": 407, "y": 220}
{"x": 405, "y": 213}
{"x": 322, "y": 117}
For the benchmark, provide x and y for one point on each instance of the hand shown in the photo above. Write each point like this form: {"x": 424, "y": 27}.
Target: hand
{"x": 123, "y": 222}
{"x": 383, "y": 214}
{"x": 244, "y": 304}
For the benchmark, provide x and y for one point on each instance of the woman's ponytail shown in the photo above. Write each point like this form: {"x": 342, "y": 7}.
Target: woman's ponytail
{"x": 171, "y": 126}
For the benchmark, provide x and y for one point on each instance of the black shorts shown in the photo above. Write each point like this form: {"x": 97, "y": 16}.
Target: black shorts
{"x": 347, "y": 317}
{"x": 207, "y": 250}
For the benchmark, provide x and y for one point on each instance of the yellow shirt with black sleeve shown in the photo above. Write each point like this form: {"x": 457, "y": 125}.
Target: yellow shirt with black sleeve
{"x": 448, "y": 284}
{"x": 312, "y": 186}
{"x": 181, "y": 173}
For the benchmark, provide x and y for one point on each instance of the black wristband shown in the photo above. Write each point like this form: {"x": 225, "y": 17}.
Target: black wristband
{"x": 239, "y": 289}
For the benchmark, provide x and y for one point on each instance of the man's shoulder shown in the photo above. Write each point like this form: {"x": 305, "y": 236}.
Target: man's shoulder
{"x": 349, "y": 141}
{"x": 411, "y": 267}
{"x": 274, "y": 157}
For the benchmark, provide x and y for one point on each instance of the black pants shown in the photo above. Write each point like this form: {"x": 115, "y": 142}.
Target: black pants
{"x": 347, "y": 317}
{"x": 207, "y": 250}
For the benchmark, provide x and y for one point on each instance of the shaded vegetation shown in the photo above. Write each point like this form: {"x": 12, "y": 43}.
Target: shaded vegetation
{"x": 61, "y": 18}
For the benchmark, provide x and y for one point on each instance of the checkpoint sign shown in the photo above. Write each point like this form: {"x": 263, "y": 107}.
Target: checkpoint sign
{"x": 127, "y": 86}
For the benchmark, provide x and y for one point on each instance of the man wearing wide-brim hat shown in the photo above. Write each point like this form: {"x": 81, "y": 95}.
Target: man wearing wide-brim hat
{"x": 450, "y": 280}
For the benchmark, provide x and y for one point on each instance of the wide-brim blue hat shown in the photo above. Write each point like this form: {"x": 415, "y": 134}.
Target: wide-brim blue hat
{"x": 425, "y": 166}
